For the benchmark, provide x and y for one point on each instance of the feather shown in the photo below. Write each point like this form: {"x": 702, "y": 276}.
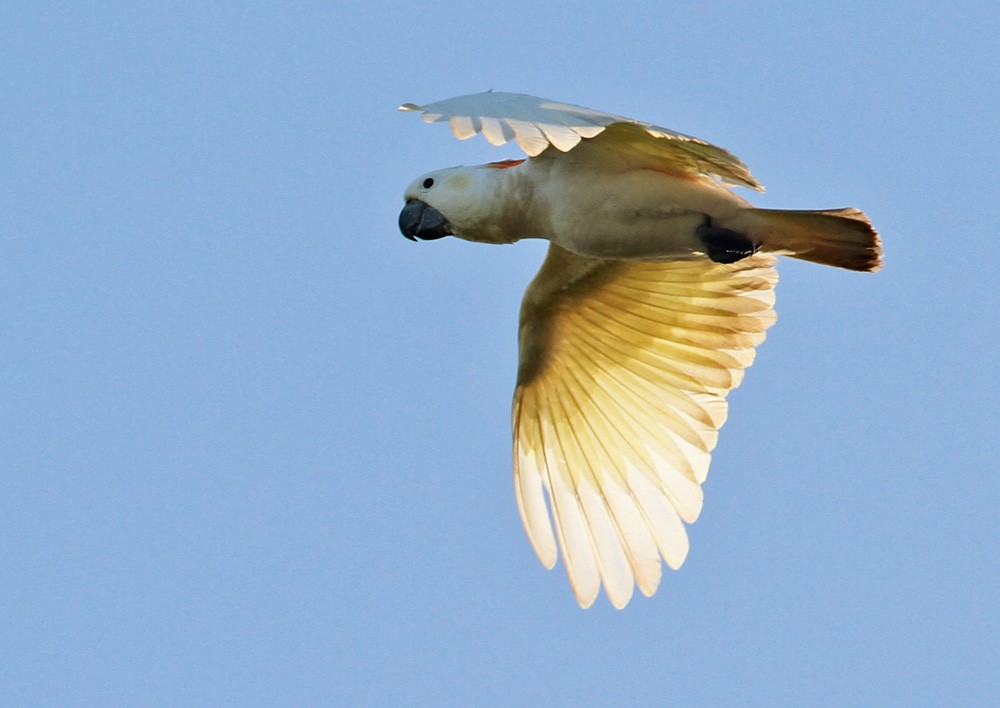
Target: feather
{"x": 536, "y": 123}
{"x": 621, "y": 390}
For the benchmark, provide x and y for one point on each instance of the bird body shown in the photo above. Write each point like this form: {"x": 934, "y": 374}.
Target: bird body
{"x": 656, "y": 290}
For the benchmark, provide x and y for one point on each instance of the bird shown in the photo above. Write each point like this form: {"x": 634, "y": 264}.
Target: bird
{"x": 656, "y": 289}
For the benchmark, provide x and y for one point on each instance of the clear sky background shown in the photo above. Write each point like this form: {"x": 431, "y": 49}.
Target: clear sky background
{"x": 255, "y": 446}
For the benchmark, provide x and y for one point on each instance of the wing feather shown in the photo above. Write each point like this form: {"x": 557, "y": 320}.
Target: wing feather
{"x": 645, "y": 444}
{"x": 536, "y": 123}
{"x": 528, "y": 135}
{"x": 607, "y": 548}
{"x": 528, "y": 487}
{"x": 464, "y": 127}
{"x": 496, "y": 131}
{"x": 624, "y": 550}
{"x": 621, "y": 391}
{"x": 663, "y": 401}
{"x": 664, "y": 523}
{"x": 631, "y": 528}
{"x": 571, "y": 528}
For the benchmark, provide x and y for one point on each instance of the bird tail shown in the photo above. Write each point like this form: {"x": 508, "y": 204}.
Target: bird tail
{"x": 838, "y": 237}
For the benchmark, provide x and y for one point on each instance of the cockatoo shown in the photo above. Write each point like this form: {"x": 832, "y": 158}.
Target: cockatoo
{"x": 657, "y": 287}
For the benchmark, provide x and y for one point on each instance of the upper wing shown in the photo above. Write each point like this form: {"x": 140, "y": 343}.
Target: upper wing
{"x": 624, "y": 369}
{"x": 536, "y": 123}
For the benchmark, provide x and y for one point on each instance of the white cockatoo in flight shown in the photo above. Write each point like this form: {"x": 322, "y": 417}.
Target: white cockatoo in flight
{"x": 657, "y": 287}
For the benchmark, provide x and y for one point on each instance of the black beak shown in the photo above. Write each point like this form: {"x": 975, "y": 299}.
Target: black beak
{"x": 419, "y": 220}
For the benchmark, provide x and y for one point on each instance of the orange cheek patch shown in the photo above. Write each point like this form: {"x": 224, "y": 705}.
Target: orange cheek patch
{"x": 503, "y": 164}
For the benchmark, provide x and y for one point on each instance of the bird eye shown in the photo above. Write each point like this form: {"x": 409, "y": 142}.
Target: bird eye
{"x": 428, "y": 183}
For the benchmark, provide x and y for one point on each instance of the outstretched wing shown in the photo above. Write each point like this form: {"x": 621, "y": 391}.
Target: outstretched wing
{"x": 624, "y": 369}
{"x": 536, "y": 123}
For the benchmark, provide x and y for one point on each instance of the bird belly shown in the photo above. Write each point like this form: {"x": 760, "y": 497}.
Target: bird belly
{"x": 636, "y": 214}
{"x": 632, "y": 233}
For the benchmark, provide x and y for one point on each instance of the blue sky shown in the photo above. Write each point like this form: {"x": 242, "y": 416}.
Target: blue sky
{"x": 256, "y": 445}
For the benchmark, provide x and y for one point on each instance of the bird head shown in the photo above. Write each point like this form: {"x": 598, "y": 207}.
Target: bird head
{"x": 455, "y": 201}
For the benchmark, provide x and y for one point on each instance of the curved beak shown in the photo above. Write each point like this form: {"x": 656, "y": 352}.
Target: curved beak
{"x": 418, "y": 220}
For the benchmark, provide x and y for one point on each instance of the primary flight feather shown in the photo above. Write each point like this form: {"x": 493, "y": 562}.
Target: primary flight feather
{"x": 657, "y": 288}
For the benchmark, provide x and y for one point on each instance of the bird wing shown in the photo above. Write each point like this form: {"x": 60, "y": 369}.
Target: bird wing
{"x": 536, "y": 123}
{"x": 624, "y": 368}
